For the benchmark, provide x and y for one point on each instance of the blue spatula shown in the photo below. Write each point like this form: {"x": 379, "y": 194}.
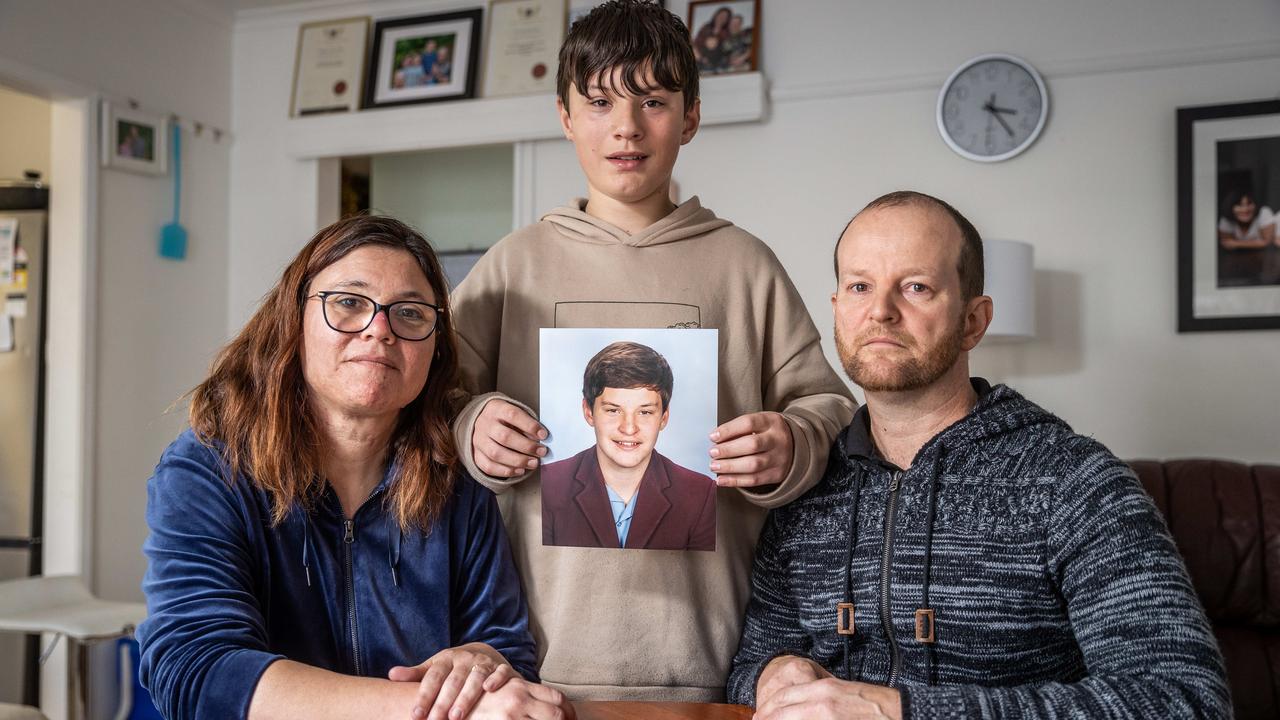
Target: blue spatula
{"x": 173, "y": 237}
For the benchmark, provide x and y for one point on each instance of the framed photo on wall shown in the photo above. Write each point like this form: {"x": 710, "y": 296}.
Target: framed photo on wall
{"x": 1229, "y": 217}
{"x": 425, "y": 58}
{"x": 134, "y": 140}
{"x": 726, "y": 35}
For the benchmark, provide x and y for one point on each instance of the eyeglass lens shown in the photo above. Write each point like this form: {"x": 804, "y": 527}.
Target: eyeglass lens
{"x": 348, "y": 312}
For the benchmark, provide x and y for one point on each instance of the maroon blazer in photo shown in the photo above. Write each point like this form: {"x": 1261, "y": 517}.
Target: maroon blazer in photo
{"x": 675, "y": 507}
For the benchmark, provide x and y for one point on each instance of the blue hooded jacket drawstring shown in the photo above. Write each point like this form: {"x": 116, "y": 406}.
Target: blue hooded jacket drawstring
{"x": 395, "y": 535}
{"x": 934, "y": 469}
{"x": 306, "y": 546}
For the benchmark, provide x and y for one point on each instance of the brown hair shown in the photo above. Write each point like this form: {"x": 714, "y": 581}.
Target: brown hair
{"x": 635, "y": 36}
{"x": 627, "y": 365}
{"x": 971, "y": 267}
{"x": 254, "y": 401}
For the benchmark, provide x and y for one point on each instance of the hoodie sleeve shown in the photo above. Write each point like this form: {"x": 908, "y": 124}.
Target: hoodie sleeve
{"x": 204, "y": 642}
{"x": 477, "y": 311}
{"x": 489, "y": 604}
{"x": 1141, "y": 630}
{"x": 798, "y": 382}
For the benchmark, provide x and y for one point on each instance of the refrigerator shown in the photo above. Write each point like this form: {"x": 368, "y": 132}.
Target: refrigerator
{"x": 23, "y": 222}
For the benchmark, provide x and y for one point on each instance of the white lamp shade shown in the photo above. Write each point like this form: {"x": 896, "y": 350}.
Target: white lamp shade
{"x": 1010, "y": 282}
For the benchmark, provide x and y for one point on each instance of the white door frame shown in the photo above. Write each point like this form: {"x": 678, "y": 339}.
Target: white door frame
{"x": 71, "y": 369}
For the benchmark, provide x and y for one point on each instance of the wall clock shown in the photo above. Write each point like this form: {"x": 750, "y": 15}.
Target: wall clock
{"x": 992, "y": 107}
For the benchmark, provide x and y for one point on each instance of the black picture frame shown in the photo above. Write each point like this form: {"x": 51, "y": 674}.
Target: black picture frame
{"x": 1216, "y": 291}
{"x": 460, "y": 27}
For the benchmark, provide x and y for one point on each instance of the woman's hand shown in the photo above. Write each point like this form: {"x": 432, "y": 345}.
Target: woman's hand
{"x": 451, "y": 681}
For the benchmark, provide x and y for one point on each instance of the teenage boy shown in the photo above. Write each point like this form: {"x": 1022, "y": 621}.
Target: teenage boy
{"x": 630, "y": 625}
{"x": 621, "y": 492}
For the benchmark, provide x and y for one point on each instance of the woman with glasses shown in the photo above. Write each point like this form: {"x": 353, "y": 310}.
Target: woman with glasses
{"x": 311, "y": 535}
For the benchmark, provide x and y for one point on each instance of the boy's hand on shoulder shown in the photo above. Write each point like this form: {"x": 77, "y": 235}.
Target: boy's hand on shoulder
{"x": 752, "y": 450}
{"x": 505, "y": 440}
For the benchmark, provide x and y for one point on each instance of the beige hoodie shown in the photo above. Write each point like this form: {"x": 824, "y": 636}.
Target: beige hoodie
{"x": 645, "y": 624}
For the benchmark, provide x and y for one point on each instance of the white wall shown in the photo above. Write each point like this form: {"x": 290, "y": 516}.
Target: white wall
{"x": 157, "y": 322}
{"x": 24, "y": 134}
{"x": 853, "y": 93}
{"x": 459, "y": 198}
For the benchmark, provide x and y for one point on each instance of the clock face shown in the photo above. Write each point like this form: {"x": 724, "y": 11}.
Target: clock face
{"x": 992, "y": 108}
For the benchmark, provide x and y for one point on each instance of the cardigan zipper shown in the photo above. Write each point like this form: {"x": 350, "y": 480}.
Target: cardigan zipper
{"x": 886, "y": 619}
{"x": 347, "y": 540}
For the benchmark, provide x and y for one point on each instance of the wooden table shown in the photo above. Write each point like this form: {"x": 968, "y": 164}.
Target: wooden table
{"x": 660, "y": 711}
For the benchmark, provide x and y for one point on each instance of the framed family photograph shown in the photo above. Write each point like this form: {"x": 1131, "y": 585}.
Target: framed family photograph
{"x": 329, "y": 67}
{"x": 629, "y": 412}
{"x": 1228, "y": 205}
{"x": 134, "y": 140}
{"x": 726, "y": 35}
{"x": 425, "y": 58}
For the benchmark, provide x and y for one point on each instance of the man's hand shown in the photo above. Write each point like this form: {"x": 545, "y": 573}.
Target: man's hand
{"x": 504, "y": 441}
{"x": 451, "y": 681}
{"x": 752, "y": 450}
{"x": 832, "y": 699}
{"x": 785, "y": 671}
{"x": 522, "y": 699}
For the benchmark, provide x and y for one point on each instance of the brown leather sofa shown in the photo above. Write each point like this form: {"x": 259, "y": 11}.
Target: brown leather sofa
{"x": 1225, "y": 518}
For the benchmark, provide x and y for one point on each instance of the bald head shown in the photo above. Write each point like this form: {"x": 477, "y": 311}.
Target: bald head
{"x": 969, "y": 264}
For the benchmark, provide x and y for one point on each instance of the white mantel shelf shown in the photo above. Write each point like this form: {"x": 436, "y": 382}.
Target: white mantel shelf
{"x": 487, "y": 121}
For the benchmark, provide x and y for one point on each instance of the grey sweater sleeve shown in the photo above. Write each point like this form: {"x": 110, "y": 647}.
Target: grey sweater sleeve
{"x": 772, "y": 626}
{"x": 1141, "y": 630}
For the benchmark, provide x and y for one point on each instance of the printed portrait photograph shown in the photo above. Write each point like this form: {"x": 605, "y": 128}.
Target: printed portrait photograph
{"x": 629, "y": 413}
{"x": 426, "y": 58}
{"x": 1246, "y": 226}
{"x": 135, "y": 140}
{"x": 725, "y": 35}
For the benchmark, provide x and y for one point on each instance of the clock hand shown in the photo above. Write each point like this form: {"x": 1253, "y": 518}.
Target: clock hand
{"x": 1002, "y": 122}
{"x": 1006, "y": 111}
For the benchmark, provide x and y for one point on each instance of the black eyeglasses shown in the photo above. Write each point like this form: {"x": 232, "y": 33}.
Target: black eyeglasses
{"x": 410, "y": 320}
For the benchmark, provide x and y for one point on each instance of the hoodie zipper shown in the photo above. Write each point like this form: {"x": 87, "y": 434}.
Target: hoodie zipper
{"x": 886, "y": 620}
{"x": 347, "y": 540}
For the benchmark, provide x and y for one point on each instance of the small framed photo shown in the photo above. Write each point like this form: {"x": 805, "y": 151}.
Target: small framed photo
{"x": 329, "y": 67}
{"x": 726, "y": 35}
{"x": 133, "y": 140}
{"x": 425, "y": 58}
{"x": 1229, "y": 217}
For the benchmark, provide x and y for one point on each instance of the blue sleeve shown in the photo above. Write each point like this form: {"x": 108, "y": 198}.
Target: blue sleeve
{"x": 204, "y": 642}
{"x": 488, "y": 601}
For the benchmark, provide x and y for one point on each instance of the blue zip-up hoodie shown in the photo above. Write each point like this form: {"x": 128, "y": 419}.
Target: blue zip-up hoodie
{"x": 228, "y": 594}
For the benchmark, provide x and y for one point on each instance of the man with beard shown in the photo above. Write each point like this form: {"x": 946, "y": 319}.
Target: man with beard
{"x": 966, "y": 555}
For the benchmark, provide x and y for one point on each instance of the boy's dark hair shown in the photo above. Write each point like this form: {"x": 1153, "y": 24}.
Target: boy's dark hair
{"x": 627, "y": 365}
{"x": 971, "y": 267}
{"x": 633, "y": 36}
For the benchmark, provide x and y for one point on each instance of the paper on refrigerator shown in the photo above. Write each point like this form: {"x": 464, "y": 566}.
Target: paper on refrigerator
{"x": 8, "y": 248}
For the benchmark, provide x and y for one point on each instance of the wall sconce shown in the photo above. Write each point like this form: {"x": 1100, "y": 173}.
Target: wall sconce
{"x": 1010, "y": 282}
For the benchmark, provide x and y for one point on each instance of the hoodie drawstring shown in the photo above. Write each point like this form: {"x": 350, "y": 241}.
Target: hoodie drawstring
{"x": 925, "y": 615}
{"x": 847, "y": 605}
{"x": 395, "y": 535}
{"x": 306, "y": 546}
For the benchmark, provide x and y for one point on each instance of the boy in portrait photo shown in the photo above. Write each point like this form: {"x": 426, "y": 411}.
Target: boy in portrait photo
{"x": 621, "y": 492}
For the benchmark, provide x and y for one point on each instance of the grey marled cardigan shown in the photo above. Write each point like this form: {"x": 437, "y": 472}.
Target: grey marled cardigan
{"x": 1056, "y": 588}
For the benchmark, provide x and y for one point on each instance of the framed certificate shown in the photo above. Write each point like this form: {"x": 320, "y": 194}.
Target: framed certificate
{"x": 329, "y": 66}
{"x": 524, "y": 41}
